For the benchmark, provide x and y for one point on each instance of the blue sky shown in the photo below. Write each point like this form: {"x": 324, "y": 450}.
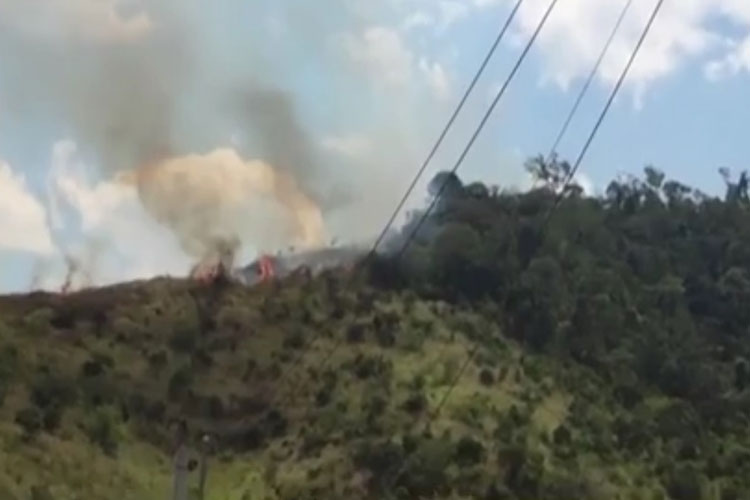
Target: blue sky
{"x": 366, "y": 86}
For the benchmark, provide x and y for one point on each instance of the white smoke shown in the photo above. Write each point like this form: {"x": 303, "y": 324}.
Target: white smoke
{"x": 23, "y": 221}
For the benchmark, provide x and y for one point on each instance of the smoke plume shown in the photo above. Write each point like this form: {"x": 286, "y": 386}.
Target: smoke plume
{"x": 218, "y": 197}
{"x": 202, "y": 116}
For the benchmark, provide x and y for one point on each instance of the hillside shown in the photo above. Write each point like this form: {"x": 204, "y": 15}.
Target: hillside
{"x": 602, "y": 354}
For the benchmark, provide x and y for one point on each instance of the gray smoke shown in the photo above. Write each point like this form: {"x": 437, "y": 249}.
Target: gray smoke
{"x": 148, "y": 80}
{"x": 144, "y": 94}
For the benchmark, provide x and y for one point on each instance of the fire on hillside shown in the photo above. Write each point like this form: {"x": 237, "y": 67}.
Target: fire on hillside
{"x": 267, "y": 268}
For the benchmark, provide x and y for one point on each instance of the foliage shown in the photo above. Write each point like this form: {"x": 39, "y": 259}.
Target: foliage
{"x": 613, "y": 361}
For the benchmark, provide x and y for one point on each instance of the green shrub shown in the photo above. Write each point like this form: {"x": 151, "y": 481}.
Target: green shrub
{"x": 294, "y": 339}
{"x": 684, "y": 483}
{"x": 40, "y": 493}
{"x": 382, "y": 459}
{"x": 469, "y": 452}
{"x": 523, "y": 470}
{"x": 8, "y": 361}
{"x": 356, "y": 333}
{"x": 157, "y": 361}
{"x": 37, "y": 323}
{"x": 52, "y": 394}
{"x": 365, "y": 367}
{"x": 486, "y": 377}
{"x": 49, "y": 390}
{"x": 30, "y": 420}
{"x": 8, "y": 368}
{"x": 416, "y": 403}
{"x": 184, "y": 340}
{"x": 180, "y": 381}
{"x": 215, "y": 407}
{"x": 101, "y": 429}
{"x": 425, "y": 471}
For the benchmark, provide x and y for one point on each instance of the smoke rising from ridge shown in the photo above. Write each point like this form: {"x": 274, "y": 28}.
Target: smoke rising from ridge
{"x": 140, "y": 87}
{"x": 205, "y": 199}
{"x": 129, "y": 99}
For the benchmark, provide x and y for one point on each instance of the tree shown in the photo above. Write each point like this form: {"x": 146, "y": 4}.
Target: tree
{"x": 654, "y": 177}
{"x": 445, "y": 184}
{"x": 552, "y": 174}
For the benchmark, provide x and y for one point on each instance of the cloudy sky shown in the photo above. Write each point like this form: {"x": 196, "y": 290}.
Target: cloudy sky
{"x": 345, "y": 95}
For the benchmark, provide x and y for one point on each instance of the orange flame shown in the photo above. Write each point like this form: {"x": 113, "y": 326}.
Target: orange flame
{"x": 207, "y": 274}
{"x": 267, "y": 271}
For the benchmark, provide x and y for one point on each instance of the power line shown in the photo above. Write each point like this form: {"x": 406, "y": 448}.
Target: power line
{"x": 479, "y": 129}
{"x": 436, "y": 412}
{"x": 607, "y": 106}
{"x": 585, "y": 148}
{"x": 483, "y": 66}
{"x": 446, "y": 129}
{"x": 589, "y": 81}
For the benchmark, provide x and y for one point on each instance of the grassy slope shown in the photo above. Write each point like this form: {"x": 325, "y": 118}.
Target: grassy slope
{"x": 240, "y": 346}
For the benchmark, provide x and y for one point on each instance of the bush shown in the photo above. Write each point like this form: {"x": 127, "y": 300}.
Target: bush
{"x": 101, "y": 429}
{"x": 51, "y": 418}
{"x": 486, "y": 377}
{"x": 523, "y": 470}
{"x": 381, "y": 459}
{"x": 356, "y": 333}
{"x": 370, "y": 366}
{"x": 8, "y": 361}
{"x": 215, "y": 407}
{"x": 184, "y": 341}
{"x": 374, "y": 404}
{"x": 91, "y": 368}
{"x": 425, "y": 475}
{"x": 40, "y": 493}
{"x": 180, "y": 381}
{"x": 52, "y": 390}
{"x": 30, "y": 420}
{"x": 52, "y": 394}
{"x": 684, "y": 484}
{"x": 158, "y": 360}
{"x": 323, "y": 397}
{"x": 385, "y": 337}
{"x": 294, "y": 340}
{"x": 561, "y": 436}
{"x": 38, "y": 322}
{"x": 275, "y": 424}
{"x": 469, "y": 452}
{"x": 98, "y": 391}
{"x": 416, "y": 403}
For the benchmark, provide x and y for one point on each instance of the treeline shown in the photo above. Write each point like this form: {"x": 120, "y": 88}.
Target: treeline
{"x": 647, "y": 285}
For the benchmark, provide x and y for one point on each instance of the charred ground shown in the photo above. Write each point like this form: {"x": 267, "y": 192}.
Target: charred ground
{"x": 611, "y": 362}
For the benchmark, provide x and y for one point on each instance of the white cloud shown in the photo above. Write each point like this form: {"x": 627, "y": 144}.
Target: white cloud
{"x": 353, "y": 146}
{"x": 485, "y": 3}
{"x": 385, "y": 57}
{"x": 437, "y": 79}
{"x": 383, "y": 53}
{"x": 684, "y": 31}
{"x": 128, "y": 242}
{"x": 736, "y": 61}
{"x": 417, "y": 19}
{"x": 89, "y": 20}
{"x": 23, "y": 221}
{"x": 452, "y": 11}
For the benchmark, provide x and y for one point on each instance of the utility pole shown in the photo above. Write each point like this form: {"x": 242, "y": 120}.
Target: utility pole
{"x": 206, "y": 443}
{"x": 181, "y": 463}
